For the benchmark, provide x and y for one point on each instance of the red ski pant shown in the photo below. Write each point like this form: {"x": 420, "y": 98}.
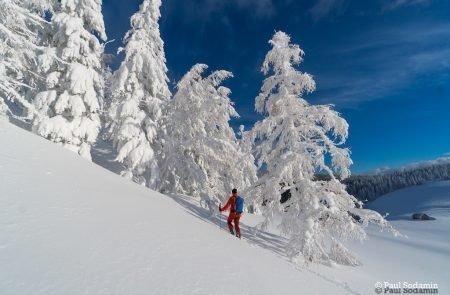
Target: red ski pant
{"x": 234, "y": 217}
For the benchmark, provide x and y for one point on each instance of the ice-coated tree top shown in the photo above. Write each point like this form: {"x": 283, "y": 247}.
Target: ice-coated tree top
{"x": 149, "y": 13}
{"x": 145, "y": 60}
{"x": 281, "y": 60}
{"x": 283, "y": 55}
{"x": 89, "y": 11}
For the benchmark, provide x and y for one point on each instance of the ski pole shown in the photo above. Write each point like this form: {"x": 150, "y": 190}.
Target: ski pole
{"x": 220, "y": 221}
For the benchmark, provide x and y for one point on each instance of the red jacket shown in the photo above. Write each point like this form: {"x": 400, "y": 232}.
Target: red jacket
{"x": 231, "y": 202}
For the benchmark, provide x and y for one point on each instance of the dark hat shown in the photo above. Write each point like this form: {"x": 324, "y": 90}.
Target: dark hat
{"x": 234, "y": 191}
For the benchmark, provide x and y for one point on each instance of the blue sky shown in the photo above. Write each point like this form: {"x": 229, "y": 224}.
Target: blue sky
{"x": 384, "y": 64}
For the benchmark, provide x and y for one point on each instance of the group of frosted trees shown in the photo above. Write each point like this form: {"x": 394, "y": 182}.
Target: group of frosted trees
{"x": 51, "y": 68}
{"x": 53, "y": 76}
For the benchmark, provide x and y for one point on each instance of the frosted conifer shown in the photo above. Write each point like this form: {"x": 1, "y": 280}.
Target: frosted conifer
{"x": 202, "y": 156}
{"x": 23, "y": 36}
{"x": 139, "y": 93}
{"x": 293, "y": 142}
{"x": 71, "y": 102}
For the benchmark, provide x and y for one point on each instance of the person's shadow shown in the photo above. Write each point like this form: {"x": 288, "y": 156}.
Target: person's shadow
{"x": 254, "y": 236}
{"x": 265, "y": 240}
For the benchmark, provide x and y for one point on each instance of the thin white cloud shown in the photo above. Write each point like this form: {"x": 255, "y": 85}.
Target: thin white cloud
{"x": 382, "y": 170}
{"x": 261, "y": 8}
{"x": 394, "y": 4}
{"x": 384, "y": 62}
{"x": 323, "y": 8}
{"x": 414, "y": 165}
{"x": 438, "y": 161}
{"x": 203, "y": 11}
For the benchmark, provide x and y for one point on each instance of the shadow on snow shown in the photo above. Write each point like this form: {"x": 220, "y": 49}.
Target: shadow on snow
{"x": 255, "y": 237}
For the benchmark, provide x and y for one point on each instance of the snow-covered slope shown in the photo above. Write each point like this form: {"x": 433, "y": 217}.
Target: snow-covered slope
{"x": 431, "y": 198}
{"x": 423, "y": 256}
{"x": 68, "y": 226}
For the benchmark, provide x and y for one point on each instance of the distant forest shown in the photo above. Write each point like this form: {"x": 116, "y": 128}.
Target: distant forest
{"x": 367, "y": 188}
{"x": 370, "y": 187}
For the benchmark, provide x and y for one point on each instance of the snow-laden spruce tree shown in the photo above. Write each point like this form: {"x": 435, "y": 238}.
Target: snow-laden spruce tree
{"x": 294, "y": 142}
{"x": 202, "y": 157}
{"x": 73, "y": 95}
{"x": 23, "y": 37}
{"x": 139, "y": 92}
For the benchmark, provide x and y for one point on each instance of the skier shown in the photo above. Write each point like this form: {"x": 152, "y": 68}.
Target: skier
{"x": 237, "y": 203}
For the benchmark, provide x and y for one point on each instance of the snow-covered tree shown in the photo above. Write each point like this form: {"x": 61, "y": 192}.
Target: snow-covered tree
{"x": 202, "y": 156}
{"x": 139, "y": 92}
{"x": 23, "y": 36}
{"x": 73, "y": 95}
{"x": 295, "y": 141}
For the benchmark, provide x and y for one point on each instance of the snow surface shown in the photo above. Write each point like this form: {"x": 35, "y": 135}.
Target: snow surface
{"x": 431, "y": 198}
{"x": 68, "y": 226}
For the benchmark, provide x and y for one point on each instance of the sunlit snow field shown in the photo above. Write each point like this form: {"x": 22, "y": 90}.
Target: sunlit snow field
{"x": 68, "y": 226}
